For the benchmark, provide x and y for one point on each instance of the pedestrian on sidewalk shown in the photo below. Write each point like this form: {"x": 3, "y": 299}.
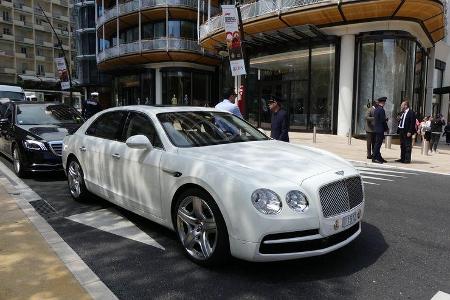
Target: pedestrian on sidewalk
{"x": 406, "y": 128}
{"x": 380, "y": 127}
{"x": 91, "y": 106}
{"x": 436, "y": 131}
{"x": 447, "y": 133}
{"x": 279, "y": 127}
{"x": 370, "y": 131}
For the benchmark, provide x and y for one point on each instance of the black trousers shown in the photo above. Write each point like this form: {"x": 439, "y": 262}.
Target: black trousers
{"x": 379, "y": 137}
{"x": 370, "y": 139}
{"x": 405, "y": 146}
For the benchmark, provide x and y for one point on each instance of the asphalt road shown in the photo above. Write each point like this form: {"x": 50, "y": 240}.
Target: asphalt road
{"x": 403, "y": 251}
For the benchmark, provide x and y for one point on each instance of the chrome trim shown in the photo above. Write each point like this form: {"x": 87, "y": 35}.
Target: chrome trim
{"x": 55, "y": 143}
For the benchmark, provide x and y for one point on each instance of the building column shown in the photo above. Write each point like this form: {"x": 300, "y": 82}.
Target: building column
{"x": 346, "y": 84}
{"x": 430, "y": 80}
{"x": 158, "y": 87}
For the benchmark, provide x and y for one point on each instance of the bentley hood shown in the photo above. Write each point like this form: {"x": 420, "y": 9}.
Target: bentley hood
{"x": 50, "y": 132}
{"x": 284, "y": 160}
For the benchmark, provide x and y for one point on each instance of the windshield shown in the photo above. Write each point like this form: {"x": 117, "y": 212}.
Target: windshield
{"x": 13, "y": 96}
{"x": 41, "y": 114}
{"x": 205, "y": 128}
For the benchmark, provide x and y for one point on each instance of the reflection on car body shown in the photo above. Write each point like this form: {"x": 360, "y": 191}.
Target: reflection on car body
{"x": 223, "y": 192}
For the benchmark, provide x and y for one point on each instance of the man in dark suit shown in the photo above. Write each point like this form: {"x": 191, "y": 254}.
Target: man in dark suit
{"x": 370, "y": 134}
{"x": 380, "y": 127}
{"x": 280, "y": 124}
{"x": 406, "y": 129}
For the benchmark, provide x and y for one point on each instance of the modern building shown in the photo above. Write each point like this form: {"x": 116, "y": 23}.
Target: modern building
{"x": 88, "y": 76}
{"x": 150, "y": 47}
{"x": 329, "y": 58}
{"x": 28, "y": 46}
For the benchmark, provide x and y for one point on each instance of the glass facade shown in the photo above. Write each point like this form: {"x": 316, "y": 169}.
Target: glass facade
{"x": 304, "y": 79}
{"x": 393, "y": 67}
{"x": 134, "y": 88}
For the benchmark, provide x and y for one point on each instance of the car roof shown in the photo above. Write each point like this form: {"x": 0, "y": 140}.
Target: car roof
{"x": 11, "y": 88}
{"x": 37, "y": 103}
{"x": 156, "y": 109}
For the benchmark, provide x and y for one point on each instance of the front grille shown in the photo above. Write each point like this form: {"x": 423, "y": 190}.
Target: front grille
{"x": 341, "y": 196}
{"x": 56, "y": 147}
{"x": 309, "y": 245}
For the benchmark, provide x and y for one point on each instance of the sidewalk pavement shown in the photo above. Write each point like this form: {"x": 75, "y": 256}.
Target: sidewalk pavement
{"x": 30, "y": 269}
{"x": 436, "y": 163}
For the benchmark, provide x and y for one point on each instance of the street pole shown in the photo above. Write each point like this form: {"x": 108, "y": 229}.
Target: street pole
{"x": 244, "y": 54}
{"x": 63, "y": 51}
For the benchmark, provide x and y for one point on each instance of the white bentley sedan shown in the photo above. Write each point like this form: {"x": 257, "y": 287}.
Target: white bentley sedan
{"x": 221, "y": 184}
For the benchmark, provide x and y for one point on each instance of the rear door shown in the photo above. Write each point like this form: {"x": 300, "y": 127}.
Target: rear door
{"x": 95, "y": 149}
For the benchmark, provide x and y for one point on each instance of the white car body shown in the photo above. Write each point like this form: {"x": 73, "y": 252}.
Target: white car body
{"x": 144, "y": 182}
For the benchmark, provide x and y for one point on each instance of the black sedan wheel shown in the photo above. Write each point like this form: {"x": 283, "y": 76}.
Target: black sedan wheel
{"x": 201, "y": 228}
{"x": 18, "y": 162}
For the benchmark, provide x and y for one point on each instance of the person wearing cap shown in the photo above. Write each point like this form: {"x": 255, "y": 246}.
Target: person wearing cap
{"x": 406, "y": 128}
{"x": 91, "y": 106}
{"x": 228, "y": 102}
{"x": 380, "y": 127}
{"x": 279, "y": 128}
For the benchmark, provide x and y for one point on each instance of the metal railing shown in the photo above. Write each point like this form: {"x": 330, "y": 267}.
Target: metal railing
{"x": 257, "y": 9}
{"x": 149, "y": 45}
{"x": 128, "y": 7}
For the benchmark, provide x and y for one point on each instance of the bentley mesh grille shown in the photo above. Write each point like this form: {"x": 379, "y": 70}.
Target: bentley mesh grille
{"x": 340, "y": 196}
{"x": 56, "y": 147}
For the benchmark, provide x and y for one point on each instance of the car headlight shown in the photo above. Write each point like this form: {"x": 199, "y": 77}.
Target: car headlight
{"x": 266, "y": 201}
{"x": 34, "y": 145}
{"x": 297, "y": 201}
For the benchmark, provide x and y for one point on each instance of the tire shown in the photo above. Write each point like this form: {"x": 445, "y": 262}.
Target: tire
{"x": 75, "y": 180}
{"x": 201, "y": 228}
{"x": 18, "y": 162}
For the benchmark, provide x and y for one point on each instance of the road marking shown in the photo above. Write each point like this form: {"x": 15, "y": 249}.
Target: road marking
{"x": 375, "y": 178}
{"x": 385, "y": 171}
{"x": 111, "y": 221}
{"x": 367, "y": 182}
{"x": 441, "y": 296}
{"x": 380, "y": 174}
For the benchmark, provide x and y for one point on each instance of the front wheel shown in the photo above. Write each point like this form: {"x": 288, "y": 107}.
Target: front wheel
{"x": 75, "y": 179}
{"x": 201, "y": 228}
{"x": 18, "y": 162}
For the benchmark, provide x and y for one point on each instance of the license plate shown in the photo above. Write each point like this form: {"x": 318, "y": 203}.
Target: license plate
{"x": 349, "y": 220}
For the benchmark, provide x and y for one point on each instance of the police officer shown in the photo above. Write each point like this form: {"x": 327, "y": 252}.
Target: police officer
{"x": 91, "y": 106}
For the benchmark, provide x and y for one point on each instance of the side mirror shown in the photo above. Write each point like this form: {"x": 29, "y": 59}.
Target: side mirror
{"x": 139, "y": 142}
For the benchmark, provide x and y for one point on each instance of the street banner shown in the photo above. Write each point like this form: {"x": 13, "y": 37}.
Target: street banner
{"x": 233, "y": 39}
{"x": 62, "y": 72}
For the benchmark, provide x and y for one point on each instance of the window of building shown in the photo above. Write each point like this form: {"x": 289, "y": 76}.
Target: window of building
{"x": 438, "y": 78}
{"x": 6, "y": 16}
{"x": 23, "y": 50}
{"x": 22, "y": 18}
{"x": 40, "y": 70}
{"x": 159, "y": 30}
{"x": 6, "y": 30}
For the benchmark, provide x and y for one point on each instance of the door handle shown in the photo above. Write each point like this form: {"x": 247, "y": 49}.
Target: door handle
{"x": 115, "y": 156}
{"x": 83, "y": 149}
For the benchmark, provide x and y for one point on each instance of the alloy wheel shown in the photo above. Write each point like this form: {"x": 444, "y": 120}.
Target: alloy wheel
{"x": 197, "y": 227}
{"x": 75, "y": 179}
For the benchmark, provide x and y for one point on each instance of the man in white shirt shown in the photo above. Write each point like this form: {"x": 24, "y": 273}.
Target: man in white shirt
{"x": 228, "y": 103}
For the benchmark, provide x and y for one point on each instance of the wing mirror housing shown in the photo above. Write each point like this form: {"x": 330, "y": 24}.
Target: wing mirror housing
{"x": 139, "y": 142}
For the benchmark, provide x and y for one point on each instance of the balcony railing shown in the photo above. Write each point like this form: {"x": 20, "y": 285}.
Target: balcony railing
{"x": 146, "y": 4}
{"x": 257, "y": 9}
{"x": 149, "y": 45}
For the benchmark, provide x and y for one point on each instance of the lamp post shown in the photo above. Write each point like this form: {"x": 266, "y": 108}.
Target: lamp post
{"x": 244, "y": 56}
{"x": 62, "y": 49}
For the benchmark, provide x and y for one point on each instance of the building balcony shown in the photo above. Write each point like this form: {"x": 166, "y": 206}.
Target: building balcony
{"x": 7, "y": 37}
{"x": 145, "y": 51}
{"x": 40, "y": 58}
{"x": 7, "y": 70}
{"x": 6, "y": 53}
{"x": 144, "y": 5}
{"x": 28, "y": 72}
{"x": 21, "y": 55}
{"x": 6, "y": 3}
{"x": 25, "y": 40}
{"x": 61, "y": 17}
{"x": 23, "y": 7}
{"x": 266, "y": 15}
{"x": 49, "y": 74}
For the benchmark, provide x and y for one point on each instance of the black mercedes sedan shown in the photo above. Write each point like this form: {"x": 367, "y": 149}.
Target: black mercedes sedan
{"x": 31, "y": 134}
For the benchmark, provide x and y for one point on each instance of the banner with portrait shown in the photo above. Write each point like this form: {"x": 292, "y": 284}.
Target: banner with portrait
{"x": 233, "y": 39}
{"x": 62, "y": 72}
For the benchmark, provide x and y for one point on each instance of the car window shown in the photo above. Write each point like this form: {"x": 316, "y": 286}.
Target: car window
{"x": 47, "y": 114}
{"x": 141, "y": 124}
{"x": 108, "y": 126}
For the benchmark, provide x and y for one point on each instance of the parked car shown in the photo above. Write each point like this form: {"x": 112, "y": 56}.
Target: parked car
{"x": 12, "y": 92}
{"x": 31, "y": 134}
{"x": 220, "y": 183}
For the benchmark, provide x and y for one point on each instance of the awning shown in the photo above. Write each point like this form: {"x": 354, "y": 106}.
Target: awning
{"x": 29, "y": 78}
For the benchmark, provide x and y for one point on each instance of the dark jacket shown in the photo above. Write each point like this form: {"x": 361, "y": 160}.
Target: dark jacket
{"x": 410, "y": 122}
{"x": 370, "y": 119}
{"x": 280, "y": 126}
{"x": 380, "y": 125}
{"x": 436, "y": 125}
{"x": 90, "y": 108}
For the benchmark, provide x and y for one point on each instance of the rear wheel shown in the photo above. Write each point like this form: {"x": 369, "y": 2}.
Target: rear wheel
{"x": 75, "y": 179}
{"x": 18, "y": 162}
{"x": 201, "y": 228}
